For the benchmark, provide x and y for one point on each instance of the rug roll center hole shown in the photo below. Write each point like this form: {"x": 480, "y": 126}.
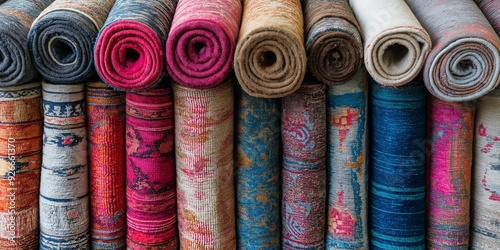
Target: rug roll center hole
{"x": 63, "y": 51}
{"x": 199, "y": 48}
{"x": 131, "y": 56}
{"x": 465, "y": 65}
{"x": 267, "y": 59}
{"x": 395, "y": 56}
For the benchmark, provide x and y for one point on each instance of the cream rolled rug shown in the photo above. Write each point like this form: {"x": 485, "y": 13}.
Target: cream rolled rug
{"x": 395, "y": 43}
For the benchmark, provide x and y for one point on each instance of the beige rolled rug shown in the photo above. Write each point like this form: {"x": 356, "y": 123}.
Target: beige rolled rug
{"x": 270, "y": 57}
{"x": 396, "y": 44}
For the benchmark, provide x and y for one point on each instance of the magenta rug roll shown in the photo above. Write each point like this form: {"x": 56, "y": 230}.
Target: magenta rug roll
{"x": 201, "y": 42}
{"x": 129, "y": 50}
{"x": 150, "y": 191}
{"x": 106, "y": 138}
{"x": 450, "y": 129}
{"x": 204, "y": 121}
{"x": 303, "y": 132}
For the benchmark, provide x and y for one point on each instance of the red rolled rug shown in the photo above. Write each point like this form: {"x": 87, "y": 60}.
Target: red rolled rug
{"x": 106, "y": 136}
{"x": 491, "y": 9}
{"x": 129, "y": 50}
{"x": 201, "y": 42}
{"x": 151, "y": 211}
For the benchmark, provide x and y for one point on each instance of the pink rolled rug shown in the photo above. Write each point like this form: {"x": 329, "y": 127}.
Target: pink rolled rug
{"x": 201, "y": 42}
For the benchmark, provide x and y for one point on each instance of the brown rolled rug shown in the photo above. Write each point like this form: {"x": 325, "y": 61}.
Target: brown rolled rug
{"x": 270, "y": 58}
{"x": 396, "y": 45}
{"x": 333, "y": 40}
{"x": 464, "y": 64}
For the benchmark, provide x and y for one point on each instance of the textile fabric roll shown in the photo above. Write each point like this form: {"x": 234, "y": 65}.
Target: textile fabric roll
{"x": 151, "y": 209}
{"x": 397, "y": 166}
{"x": 303, "y": 132}
{"x": 21, "y": 129}
{"x": 490, "y": 9}
{"x": 333, "y": 40}
{"x": 270, "y": 58}
{"x": 16, "y": 65}
{"x": 396, "y": 45}
{"x": 201, "y": 42}
{"x": 64, "y": 190}
{"x": 450, "y": 133}
{"x": 464, "y": 64}
{"x": 106, "y": 138}
{"x": 347, "y": 193}
{"x": 485, "y": 202}
{"x": 257, "y": 171}
{"x": 129, "y": 51}
{"x": 61, "y": 39}
{"x": 204, "y": 163}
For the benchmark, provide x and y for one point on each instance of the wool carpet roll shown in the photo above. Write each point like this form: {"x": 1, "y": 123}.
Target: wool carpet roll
{"x": 270, "y": 58}
{"x": 395, "y": 43}
{"x": 106, "y": 138}
{"x": 151, "y": 209}
{"x": 16, "y": 65}
{"x": 397, "y": 166}
{"x": 257, "y": 171}
{"x": 485, "y": 203}
{"x": 303, "y": 132}
{"x": 333, "y": 40}
{"x": 64, "y": 188}
{"x": 21, "y": 129}
{"x": 450, "y": 129}
{"x": 204, "y": 163}
{"x": 201, "y": 42}
{"x": 464, "y": 64}
{"x": 129, "y": 52}
{"x": 490, "y": 9}
{"x": 347, "y": 193}
{"x": 61, "y": 39}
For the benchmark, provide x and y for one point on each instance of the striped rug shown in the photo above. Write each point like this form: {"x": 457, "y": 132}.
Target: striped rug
{"x": 303, "y": 132}
{"x": 270, "y": 58}
{"x": 347, "y": 193}
{"x": 106, "y": 138}
{"x": 204, "y": 164}
{"x": 333, "y": 40}
{"x": 464, "y": 63}
{"x": 257, "y": 171}
{"x": 485, "y": 202}
{"x": 61, "y": 39}
{"x": 397, "y": 166}
{"x": 16, "y": 65}
{"x": 21, "y": 126}
{"x": 450, "y": 129}
{"x": 64, "y": 189}
{"x": 201, "y": 42}
{"x": 151, "y": 214}
{"x": 490, "y": 9}
{"x": 130, "y": 48}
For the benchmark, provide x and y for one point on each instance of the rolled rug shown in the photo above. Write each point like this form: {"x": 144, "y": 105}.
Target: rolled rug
{"x": 395, "y": 44}
{"x": 464, "y": 64}
{"x": 21, "y": 129}
{"x": 270, "y": 58}
{"x": 151, "y": 209}
{"x": 450, "y": 131}
{"x": 129, "y": 50}
{"x": 204, "y": 163}
{"x": 490, "y": 9}
{"x": 485, "y": 202}
{"x": 397, "y": 166}
{"x": 347, "y": 163}
{"x": 106, "y": 138}
{"x": 333, "y": 40}
{"x": 16, "y": 65}
{"x": 257, "y": 171}
{"x": 64, "y": 183}
{"x": 61, "y": 39}
{"x": 201, "y": 42}
{"x": 303, "y": 132}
